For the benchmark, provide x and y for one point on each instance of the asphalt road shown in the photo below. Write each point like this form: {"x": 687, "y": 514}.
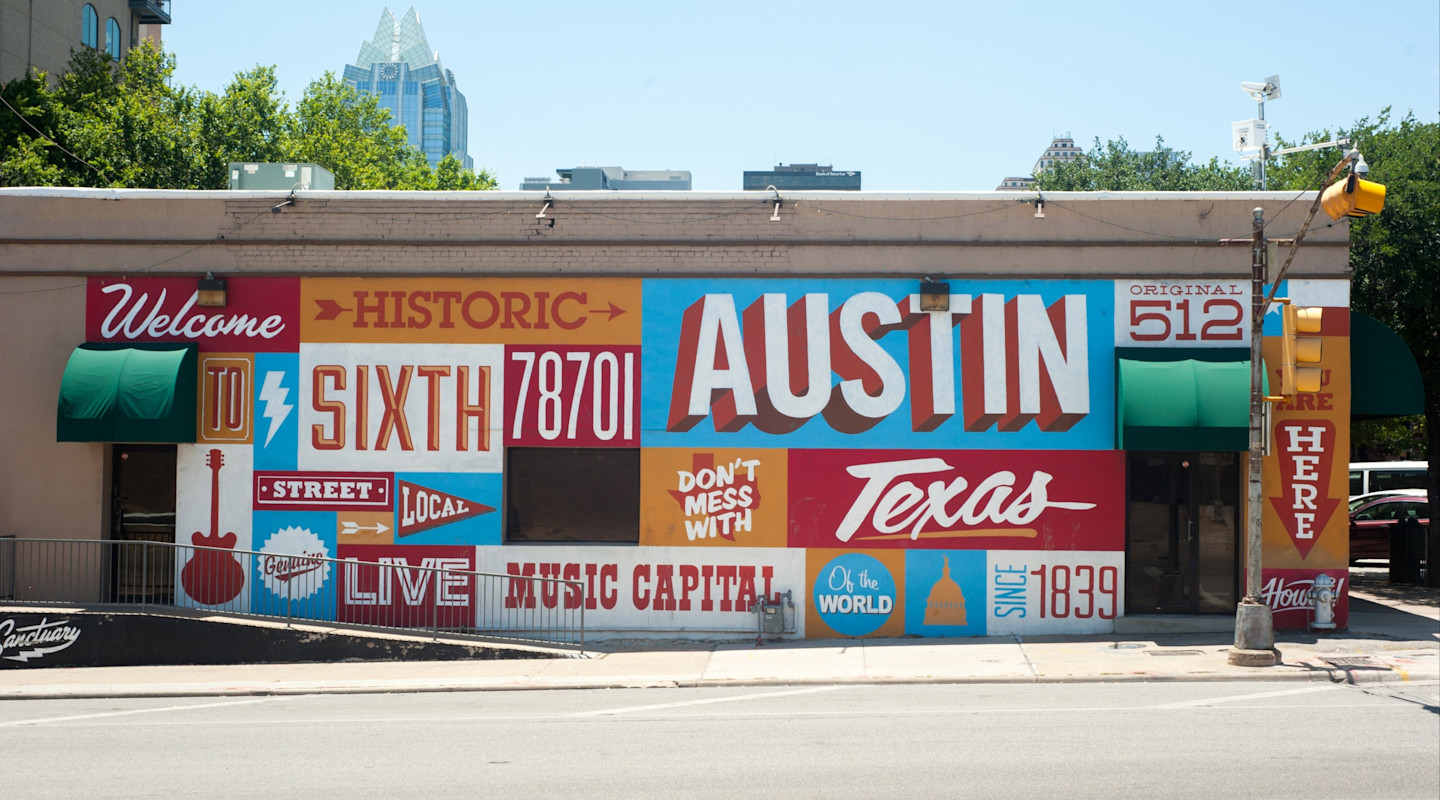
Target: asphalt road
{"x": 868, "y": 741}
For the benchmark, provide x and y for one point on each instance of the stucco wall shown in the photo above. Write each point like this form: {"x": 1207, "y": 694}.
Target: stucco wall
{"x": 48, "y": 489}
{"x": 841, "y": 233}
{"x": 51, "y": 241}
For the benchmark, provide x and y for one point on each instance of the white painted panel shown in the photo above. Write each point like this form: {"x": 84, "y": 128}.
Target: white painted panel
{"x": 646, "y": 588}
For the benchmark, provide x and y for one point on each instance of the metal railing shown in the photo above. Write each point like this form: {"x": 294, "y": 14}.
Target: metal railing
{"x": 437, "y": 596}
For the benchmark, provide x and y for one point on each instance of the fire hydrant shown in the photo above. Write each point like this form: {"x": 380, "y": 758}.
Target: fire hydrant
{"x": 1323, "y": 595}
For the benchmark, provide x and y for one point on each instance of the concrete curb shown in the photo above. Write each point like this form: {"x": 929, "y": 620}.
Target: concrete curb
{"x": 1299, "y": 673}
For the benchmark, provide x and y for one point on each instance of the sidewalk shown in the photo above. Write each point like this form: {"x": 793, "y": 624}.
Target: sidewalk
{"x": 1393, "y": 636}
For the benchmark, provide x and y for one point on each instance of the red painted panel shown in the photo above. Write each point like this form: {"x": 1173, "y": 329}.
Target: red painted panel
{"x": 1287, "y": 592}
{"x": 260, "y": 314}
{"x": 572, "y": 396}
{"x": 973, "y": 500}
{"x": 324, "y": 491}
{"x": 403, "y": 586}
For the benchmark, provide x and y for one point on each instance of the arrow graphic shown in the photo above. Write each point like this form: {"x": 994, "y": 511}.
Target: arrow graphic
{"x": 349, "y": 528}
{"x": 329, "y": 309}
{"x": 614, "y": 311}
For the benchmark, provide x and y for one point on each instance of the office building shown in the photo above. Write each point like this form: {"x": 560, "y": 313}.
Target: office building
{"x": 1061, "y": 150}
{"x": 803, "y": 176}
{"x": 40, "y": 36}
{"x": 399, "y": 67}
{"x": 613, "y": 178}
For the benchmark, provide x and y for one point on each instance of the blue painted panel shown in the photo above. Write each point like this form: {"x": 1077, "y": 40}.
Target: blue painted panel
{"x": 448, "y": 508}
{"x": 291, "y": 576}
{"x": 688, "y": 321}
{"x": 277, "y": 426}
{"x": 945, "y": 593}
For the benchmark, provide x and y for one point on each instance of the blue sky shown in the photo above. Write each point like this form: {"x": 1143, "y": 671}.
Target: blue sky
{"x": 919, "y": 96}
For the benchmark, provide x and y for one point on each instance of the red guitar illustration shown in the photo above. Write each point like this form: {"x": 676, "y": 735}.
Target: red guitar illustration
{"x": 211, "y": 577}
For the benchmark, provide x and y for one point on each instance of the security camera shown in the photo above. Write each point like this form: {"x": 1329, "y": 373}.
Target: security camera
{"x": 1267, "y": 90}
{"x": 1361, "y": 168}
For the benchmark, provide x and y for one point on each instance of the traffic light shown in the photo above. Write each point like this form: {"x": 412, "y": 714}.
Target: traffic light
{"x": 1299, "y": 355}
{"x": 1353, "y": 197}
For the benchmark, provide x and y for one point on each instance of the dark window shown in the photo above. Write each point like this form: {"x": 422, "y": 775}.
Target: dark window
{"x": 112, "y": 38}
{"x": 89, "y": 26}
{"x": 1381, "y": 480}
{"x": 558, "y": 494}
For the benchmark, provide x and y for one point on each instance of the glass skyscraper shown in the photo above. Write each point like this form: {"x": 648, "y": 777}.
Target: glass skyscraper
{"x": 399, "y": 67}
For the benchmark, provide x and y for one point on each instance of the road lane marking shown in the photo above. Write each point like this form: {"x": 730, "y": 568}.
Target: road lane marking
{"x": 101, "y": 715}
{"x": 707, "y": 701}
{"x": 1235, "y": 698}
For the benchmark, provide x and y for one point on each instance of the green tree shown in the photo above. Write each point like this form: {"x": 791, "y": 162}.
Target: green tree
{"x": 127, "y": 125}
{"x": 136, "y": 129}
{"x": 451, "y": 175}
{"x": 1394, "y": 259}
{"x": 1114, "y": 167}
{"x": 249, "y": 121}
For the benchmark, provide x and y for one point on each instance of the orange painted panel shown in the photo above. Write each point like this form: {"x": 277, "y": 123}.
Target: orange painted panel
{"x": 226, "y": 398}
{"x": 1306, "y": 475}
{"x": 364, "y": 527}
{"x": 854, "y": 593}
{"x": 471, "y": 310}
{"x": 713, "y": 498}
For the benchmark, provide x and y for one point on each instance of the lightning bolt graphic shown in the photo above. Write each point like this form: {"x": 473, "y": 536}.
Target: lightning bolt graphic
{"x": 273, "y": 395}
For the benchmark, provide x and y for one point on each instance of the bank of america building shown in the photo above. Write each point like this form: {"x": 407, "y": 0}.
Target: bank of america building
{"x": 399, "y": 67}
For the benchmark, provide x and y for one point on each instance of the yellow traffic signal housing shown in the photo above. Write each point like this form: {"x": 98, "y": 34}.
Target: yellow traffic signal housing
{"x": 1353, "y": 197}
{"x": 1298, "y": 353}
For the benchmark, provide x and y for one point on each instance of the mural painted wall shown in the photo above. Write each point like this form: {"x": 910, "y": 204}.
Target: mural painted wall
{"x": 899, "y": 472}
{"x": 1306, "y": 475}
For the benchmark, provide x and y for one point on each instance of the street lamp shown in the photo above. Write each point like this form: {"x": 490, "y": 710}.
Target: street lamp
{"x": 1254, "y": 624}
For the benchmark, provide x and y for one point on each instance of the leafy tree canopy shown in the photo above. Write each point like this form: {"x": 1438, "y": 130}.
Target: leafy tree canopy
{"x": 1394, "y": 255}
{"x": 1114, "y": 167}
{"x": 127, "y": 125}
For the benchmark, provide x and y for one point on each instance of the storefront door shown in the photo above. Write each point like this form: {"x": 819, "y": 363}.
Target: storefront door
{"x": 143, "y": 510}
{"x": 1182, "y": 533}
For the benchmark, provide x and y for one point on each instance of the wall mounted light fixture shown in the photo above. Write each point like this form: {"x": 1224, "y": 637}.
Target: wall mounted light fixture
{"x": 1039, "y": 207}
{"x": 549, "y": 201}
{"x": 289, "y": 201}
{"x": 934, "y": 295}
{"x": 775, "y": 215}
{"x": 211, "y": 292}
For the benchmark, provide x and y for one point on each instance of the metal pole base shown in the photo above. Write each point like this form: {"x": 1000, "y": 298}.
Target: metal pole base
{"x": 1254, "y": 636}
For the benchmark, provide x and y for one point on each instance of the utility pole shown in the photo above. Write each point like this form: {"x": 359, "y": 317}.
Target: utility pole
{"x": 1254, "y": 624}
{"x": 1354, "y": 197}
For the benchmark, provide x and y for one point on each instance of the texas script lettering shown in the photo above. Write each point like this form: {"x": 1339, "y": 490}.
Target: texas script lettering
{"x": 890, "y": 503}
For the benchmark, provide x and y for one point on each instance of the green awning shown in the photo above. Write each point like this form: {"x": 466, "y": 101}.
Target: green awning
{"x": 1182, "y": 400}
{"x": 1384, "y": 379}
{"x": 128, "y": 393}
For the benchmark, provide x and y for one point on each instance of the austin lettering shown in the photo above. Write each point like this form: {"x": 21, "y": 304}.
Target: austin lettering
{"x": 771, "y": 365}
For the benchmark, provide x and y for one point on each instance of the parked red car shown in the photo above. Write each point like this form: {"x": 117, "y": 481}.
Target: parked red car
{"x": 1371, "y": 523}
